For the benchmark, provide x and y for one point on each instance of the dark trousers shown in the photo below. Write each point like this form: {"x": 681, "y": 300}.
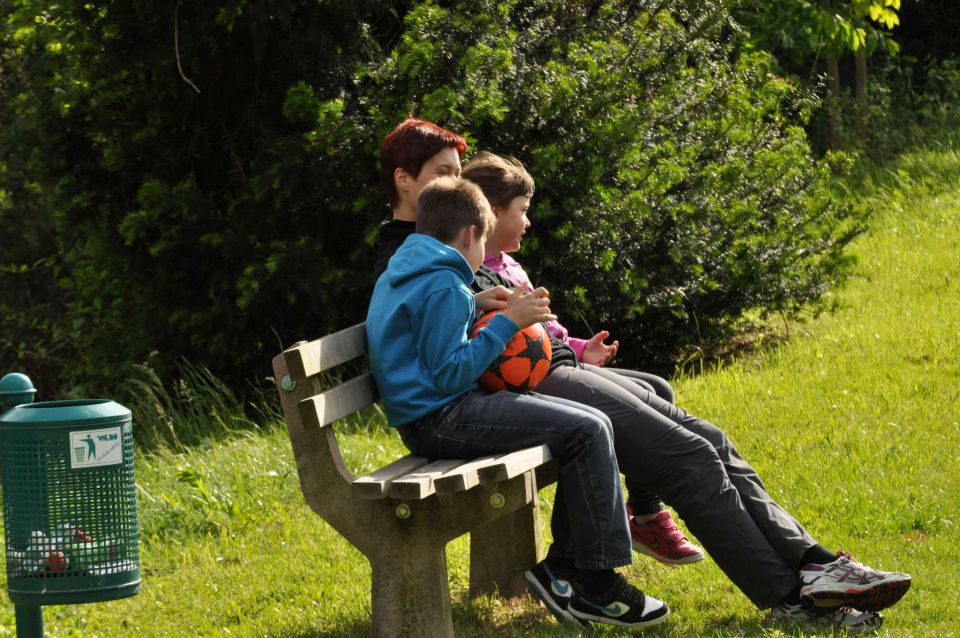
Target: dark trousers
{"x": 695, "y": 469}
{"x": 589, "y": 521}
{"x": 641, "y": 500}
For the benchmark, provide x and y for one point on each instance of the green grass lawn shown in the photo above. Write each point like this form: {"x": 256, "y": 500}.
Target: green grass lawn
{"x": 853, "y": 422}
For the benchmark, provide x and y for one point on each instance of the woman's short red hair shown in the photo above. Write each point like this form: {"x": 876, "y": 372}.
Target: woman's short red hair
{"x": 409, "y": 146}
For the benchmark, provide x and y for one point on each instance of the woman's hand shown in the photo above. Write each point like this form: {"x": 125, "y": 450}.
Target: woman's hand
{"x": 492, "y": 299}
{"x": 596, "y": 352}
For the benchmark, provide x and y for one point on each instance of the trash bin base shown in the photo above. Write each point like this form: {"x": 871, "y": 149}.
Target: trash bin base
{"x": 64, "y": 595}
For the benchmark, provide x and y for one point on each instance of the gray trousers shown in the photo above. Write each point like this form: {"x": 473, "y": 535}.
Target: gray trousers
{"x": 694, "y": 468}
{"x": 651, "y": 382}
{"x": 642, "y": 501}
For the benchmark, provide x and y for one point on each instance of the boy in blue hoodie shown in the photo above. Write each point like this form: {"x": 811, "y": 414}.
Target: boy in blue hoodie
{"x": 426, "y": 367}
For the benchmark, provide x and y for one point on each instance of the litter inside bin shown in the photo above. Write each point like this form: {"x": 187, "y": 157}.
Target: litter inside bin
{"x": 68, "y": 551}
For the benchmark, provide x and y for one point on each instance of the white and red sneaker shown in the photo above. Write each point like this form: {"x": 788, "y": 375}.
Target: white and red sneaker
{"x": 660, "y": 538}
{"x": 848, "y": 583}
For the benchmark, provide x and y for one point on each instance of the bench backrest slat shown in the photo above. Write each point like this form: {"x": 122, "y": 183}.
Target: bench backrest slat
{"x": 336, "y": 403}
{"x": 322, "y": 354}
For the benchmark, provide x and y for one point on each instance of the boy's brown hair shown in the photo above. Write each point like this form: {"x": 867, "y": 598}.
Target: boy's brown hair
{"x": 500, "y": 178}
{"x": 447, "y": 205}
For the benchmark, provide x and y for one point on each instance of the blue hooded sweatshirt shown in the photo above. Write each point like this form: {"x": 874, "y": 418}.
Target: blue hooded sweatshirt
{"x": 418, "y": 322}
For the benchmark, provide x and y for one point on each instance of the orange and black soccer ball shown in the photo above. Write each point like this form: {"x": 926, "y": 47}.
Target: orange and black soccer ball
{"x": 522, "y": 365}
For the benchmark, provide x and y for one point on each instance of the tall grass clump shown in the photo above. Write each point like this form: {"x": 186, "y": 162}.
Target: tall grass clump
{"x": 195, "y": 407}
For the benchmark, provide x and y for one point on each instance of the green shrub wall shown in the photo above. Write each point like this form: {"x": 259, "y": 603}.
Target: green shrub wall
{"x": 220, "y": 207}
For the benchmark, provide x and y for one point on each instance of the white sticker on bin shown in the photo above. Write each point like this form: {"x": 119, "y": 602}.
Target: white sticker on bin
{"x": 96, "y": 448}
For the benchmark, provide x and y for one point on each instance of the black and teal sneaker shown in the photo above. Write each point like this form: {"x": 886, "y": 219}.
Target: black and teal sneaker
{"x": 554, "y": 589}
{"x": 622, "y": 604}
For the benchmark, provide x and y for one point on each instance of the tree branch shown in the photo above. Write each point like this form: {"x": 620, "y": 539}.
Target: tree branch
{"x": 176, "y": 48}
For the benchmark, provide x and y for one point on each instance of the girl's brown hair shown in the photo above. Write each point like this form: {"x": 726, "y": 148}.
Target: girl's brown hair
{"x": 500, "y": 178}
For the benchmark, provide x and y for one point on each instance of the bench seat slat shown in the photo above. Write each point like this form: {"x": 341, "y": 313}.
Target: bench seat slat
{"x": 419, "y": 484}
{"x": 467, "y": 475}
{"x": 509, "y": 463}
{"x": 316, "y": 356}
{"x": 515, "y": 464}
{"x": 377, "y": 483}
{"x": 338, "y": 402}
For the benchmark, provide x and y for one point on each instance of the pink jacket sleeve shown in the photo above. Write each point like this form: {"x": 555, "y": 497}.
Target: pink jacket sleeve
{"x": 513, "y": 272}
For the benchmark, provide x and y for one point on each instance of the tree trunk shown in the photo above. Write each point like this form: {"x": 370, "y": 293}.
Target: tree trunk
{"x": 861, "y": 95}
{"x": 833, "y": 105}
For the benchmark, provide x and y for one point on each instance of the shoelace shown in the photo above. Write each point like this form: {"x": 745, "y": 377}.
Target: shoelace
{"x": 622, "y": 590}
{"x": 856, "y": 569}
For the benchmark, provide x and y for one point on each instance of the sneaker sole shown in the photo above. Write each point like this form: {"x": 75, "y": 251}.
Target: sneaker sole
{"x": 607, "y": 620}
{"x": 640, "y": 548}
{"x": 868, "y": 598}
{"x": 561, "y": 613}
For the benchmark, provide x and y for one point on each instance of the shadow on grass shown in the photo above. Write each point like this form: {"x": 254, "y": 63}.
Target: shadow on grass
{"x": 354, "y": 630}
{"x": 524, "y": 618}
{"x": 753, "y": 338}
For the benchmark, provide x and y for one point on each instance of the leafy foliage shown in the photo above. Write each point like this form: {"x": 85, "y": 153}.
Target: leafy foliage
{"x": 828, "y": 27}
{"x": 160, "y": 194}
{"x": 198, "y": 181}
{"x": 910, "y": 105}
{"x": 675, "y": 189}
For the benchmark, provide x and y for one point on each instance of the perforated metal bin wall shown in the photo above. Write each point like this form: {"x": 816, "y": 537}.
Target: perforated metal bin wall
{"x": 69, "y": 502}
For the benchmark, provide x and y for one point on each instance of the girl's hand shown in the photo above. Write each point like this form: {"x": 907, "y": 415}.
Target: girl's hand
{"x": 596, "y": 352}
{"x": 492, "y": 299}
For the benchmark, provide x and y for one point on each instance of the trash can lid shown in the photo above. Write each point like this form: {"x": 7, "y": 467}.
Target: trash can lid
{"x": 16, "y": 383}
{"x": 60, "y": 413}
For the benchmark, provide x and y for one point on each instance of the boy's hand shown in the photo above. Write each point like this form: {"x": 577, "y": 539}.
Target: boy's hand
{"x": 598, "y": 353}
{"x": 528, "y": 308}
{"x": 492, "y": 299}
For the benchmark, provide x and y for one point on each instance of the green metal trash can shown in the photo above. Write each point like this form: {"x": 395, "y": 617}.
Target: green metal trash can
{"x": 69, "y": 502}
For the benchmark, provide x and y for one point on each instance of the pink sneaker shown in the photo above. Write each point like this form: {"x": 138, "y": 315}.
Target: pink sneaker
{"x": 660, "y": 538}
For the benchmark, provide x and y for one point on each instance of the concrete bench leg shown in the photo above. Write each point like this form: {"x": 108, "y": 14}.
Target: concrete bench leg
{"x": 501, "y": 550}
{"x": 410, "y": 592}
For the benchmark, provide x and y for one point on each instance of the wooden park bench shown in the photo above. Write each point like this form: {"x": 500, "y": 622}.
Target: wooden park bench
{"x": 401, "y": 516}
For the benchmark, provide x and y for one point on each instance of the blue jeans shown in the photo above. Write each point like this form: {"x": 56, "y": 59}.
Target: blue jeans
{"x": 589, "y": 522}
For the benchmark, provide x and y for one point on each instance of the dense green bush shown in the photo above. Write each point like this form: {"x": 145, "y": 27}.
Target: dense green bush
{"x": 149, "y": 196}
{"x": 675, "y": 188}
{"x": 216, "y": 205}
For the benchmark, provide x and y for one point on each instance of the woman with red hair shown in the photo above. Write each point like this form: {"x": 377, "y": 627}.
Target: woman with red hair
{"x": 414, "y": 153}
